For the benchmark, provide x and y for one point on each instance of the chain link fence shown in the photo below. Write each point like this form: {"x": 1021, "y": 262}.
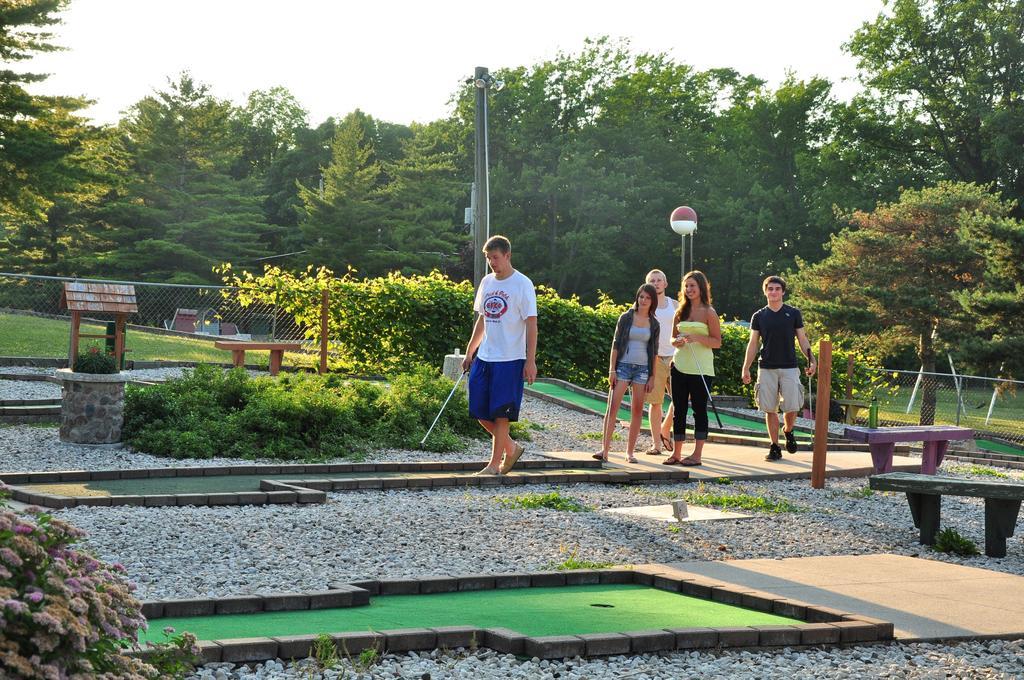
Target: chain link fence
{"x": 175, "y": 322}
{"x": 993, "y": 408}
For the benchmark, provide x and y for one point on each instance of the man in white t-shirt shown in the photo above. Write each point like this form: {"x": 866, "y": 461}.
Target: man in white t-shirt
{"x": 504, "y": 341}
{"x": 661, "y": 429}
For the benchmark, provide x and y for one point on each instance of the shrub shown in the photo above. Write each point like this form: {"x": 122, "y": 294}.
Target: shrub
{"x": 95, "y": 360}
{"x": 950, "y": 541}
{"x": 209, "y": 412}
{"x": 411, "y": 404}
{"x": 63, "y": 614}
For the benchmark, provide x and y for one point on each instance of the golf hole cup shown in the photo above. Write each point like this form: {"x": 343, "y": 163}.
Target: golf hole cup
{"x": 679, "y": 510}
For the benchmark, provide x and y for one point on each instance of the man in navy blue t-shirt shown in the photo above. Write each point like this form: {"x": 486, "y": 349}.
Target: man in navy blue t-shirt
{"x": 775, "y": 327}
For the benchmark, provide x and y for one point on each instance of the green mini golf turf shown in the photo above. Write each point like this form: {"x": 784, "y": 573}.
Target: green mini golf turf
{"x": 176, "y": 485}
{"x": 598, "y": 406}
{"x": 223, "y": 483}
{"x": 568, "y": 610}
{"x": 998, "y": 447}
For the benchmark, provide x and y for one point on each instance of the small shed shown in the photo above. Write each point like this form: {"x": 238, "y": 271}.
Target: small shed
{"x": 98, "y": 298}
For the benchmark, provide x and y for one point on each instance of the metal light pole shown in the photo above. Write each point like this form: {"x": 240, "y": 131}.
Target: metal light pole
{"x": 683, "y": 221}
{"x": 481, "y": 203}
{"x": 481, "y": 206}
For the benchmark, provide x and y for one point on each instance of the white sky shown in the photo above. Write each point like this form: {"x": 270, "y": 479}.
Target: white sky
{"x": 401, "y": 61}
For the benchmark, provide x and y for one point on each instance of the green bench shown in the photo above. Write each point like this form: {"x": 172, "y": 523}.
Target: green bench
{"x": 925, "y": 492}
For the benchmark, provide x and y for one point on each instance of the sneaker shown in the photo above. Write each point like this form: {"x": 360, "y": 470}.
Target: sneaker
{"x": 790, "y": 441}
{"x": 774, "y": 453}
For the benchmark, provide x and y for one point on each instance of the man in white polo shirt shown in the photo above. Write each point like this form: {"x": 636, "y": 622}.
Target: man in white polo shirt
{"x": 505, "y": 343}
{"x": 661, "y": 429}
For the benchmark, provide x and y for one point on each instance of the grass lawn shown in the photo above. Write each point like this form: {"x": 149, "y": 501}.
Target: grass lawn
{"x": 1007, "y": 416}
{"x": 28, "y": 336}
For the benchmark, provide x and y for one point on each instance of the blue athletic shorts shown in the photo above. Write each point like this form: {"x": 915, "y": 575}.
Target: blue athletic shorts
{"x": 496, "y": 389}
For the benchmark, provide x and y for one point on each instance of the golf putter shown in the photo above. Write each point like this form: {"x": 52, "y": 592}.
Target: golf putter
{"x": 438, "y": 417}
{"x": 706, "y": 388}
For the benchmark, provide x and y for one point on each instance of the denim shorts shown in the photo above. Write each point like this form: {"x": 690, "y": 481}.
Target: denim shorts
{"x": 632, "y": 373}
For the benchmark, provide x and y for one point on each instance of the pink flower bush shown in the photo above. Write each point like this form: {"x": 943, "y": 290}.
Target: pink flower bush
{"x": 63, "y": 614}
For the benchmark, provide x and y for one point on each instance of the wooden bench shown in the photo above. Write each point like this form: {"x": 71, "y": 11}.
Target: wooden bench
{"x": 851, "y": 407}
{"x": 277, "y": 350}
{"x": 925, "y": 492}
{"x": 882, "y": 441}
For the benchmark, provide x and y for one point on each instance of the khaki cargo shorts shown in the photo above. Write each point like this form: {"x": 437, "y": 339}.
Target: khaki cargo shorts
{"x": 662, "y": 382}
{"x": 776, "y": 383}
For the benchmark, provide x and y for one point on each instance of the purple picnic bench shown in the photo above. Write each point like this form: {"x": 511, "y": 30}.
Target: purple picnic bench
{"x": 882, "y": 442}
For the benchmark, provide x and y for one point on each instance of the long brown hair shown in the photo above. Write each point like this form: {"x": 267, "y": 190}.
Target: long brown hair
{"x": 652, "y": 292}
{"x": 703, "y": 285}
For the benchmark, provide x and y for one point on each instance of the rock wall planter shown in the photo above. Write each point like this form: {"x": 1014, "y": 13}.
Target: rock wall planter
{"x": 92, "y": 407}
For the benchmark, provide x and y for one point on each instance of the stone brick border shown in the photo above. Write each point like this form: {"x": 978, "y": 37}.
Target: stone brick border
{"x": 421, "y": 475}
{"x": 822, "y": 625}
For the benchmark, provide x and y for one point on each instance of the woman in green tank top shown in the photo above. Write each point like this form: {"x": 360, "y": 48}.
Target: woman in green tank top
{"x": 696, "y": 332}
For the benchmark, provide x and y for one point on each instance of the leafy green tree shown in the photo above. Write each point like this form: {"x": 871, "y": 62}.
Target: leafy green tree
{"x": 946, "y": 77}
{"x": 893, "y": 278}
{"x": 763, "y": 207}
{"x": 267, "y": 126}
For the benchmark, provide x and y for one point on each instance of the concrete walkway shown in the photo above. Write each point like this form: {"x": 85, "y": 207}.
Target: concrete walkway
{"x": 747, "y": 462}
{"x": 924, "y": 599}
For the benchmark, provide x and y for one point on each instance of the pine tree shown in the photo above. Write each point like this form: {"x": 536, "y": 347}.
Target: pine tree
{"x": 344, "y": 222}
{"x": 181, "y": 212}
{"x": 51, "y": 165}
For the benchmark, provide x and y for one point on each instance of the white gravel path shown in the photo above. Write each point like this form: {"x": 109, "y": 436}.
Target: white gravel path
{"x": 984, "y": 659}
{"x": 191, "y": 552}
{"x": 23, "y": 389}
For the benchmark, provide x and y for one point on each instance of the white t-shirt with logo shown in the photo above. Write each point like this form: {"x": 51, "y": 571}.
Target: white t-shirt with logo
{"x": 664, "y": 317}
{"x": 505, "y": 304}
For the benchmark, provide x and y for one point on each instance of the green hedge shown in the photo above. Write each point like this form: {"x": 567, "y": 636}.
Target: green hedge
{"x": 381, "y": 325}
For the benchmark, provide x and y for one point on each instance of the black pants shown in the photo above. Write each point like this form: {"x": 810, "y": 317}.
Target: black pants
{"x": 689, "y": 388}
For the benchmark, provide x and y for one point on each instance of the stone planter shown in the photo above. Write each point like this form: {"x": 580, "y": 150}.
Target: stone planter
{"x": 92, "y": 407}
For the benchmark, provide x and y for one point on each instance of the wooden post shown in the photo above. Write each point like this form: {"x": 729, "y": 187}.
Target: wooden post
{"x": 821, "y": 414}
{"x": 76, "y": 322}
{"x": 323, "y": 331}
{"x": 849, "y": 376}
{"x": 119, "y": 340}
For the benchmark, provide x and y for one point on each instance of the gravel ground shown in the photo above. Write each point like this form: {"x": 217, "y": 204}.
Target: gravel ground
{"x": 986, "y": 659}
{"x": 23, "y": 389}
{"x": 194, "y": 552}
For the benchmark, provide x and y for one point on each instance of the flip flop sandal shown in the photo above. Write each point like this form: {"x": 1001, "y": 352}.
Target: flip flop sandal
{"x": 689, "y": 462}
{"x": 653, "y": 451}
{"x": 511, "y": 460}
{"x": 667, "y": 442}
{"x": 631, "y": 460}
{"x": 598, "y": 456}
{"x": 671, "y": 461}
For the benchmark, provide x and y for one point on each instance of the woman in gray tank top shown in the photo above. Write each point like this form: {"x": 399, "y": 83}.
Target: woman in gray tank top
{"x": 631, "y": 364}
